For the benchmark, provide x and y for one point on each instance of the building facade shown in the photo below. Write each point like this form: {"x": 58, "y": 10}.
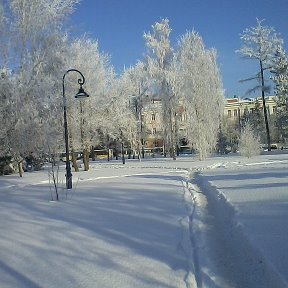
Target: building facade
{"x": 153, "y": 122}
{"x": 234, "y": 108}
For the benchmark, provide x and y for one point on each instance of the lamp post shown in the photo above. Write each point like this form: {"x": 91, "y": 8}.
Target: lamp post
{"x": 81, "y": 94}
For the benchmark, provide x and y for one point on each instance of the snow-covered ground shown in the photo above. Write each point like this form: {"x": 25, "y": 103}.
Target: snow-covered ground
{"x": 155, "y": 223}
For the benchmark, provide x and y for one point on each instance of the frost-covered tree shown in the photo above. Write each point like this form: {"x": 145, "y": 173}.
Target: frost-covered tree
{"x": 3, "y": 38}
{"x": 280, "y": 78}
{"x": 260, "y": 43}
{"x": 120, "y": 117}
{"x": 159, "y": 66}
{"x": 231, "y": 130}
{"x": 187, "y": 76}
{"x": 35, "y": 21}
{"x": 249, "y": 143}
{"x": 202, "y": 92}
{"x": 140, "y": 84}
{"x": 35, "y": 41}
{"x": 255, "y": 118}
{"x": 84, "y": 115}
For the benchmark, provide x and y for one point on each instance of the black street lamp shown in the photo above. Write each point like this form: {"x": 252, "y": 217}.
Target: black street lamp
{"x": 81, "y": 94}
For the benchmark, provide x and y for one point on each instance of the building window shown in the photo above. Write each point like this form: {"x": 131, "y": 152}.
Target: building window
{"x": 154, "y": 131}
{"x": 183, "y": 117}
{"x": 235, "y": 112}
{"x": 229, "y": 113}
{"x": 153, "y": 117}
{"x": 274, "y": 109}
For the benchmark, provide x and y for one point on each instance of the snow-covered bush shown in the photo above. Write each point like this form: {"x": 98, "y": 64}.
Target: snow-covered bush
{"x": 249, "y": 143}
{"x": 5, "y": 165}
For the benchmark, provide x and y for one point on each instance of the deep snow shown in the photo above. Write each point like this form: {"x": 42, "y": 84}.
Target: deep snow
{"x": 155, "y": 223}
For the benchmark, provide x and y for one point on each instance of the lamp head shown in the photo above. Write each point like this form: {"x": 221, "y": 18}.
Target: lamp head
{"x": 81, "y": 93}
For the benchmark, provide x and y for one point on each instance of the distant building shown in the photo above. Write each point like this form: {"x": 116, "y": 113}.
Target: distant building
{"x": 152, "y": 116}
{"x": 153, "y": 122}
{"x": 236, "y": 107}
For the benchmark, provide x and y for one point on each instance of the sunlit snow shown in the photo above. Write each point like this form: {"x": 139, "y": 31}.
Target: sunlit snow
{"x": 221, "y": 222}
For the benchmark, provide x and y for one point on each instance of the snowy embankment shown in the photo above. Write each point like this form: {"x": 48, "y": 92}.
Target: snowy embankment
{"x": 240, "y": 223}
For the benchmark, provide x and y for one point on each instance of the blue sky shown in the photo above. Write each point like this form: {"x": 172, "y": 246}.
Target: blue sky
{"x": 118, "y": 25}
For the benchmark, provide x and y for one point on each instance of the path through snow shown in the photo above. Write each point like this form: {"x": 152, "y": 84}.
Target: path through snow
{"x": 224, "y": 254}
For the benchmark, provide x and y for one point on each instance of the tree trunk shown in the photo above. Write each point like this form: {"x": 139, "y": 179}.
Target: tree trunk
{"x": 164, "y": 150}
{"x": 86, "y": 159}
{"x": 20, "y": 169}
{"x": 55, "y": 179}
{"x": 122, "y": 152}
{"x": 93, "y": 154}
{"x": 108, "y": 154}
{"x": 171, "y": 138}
{"x": 264, "y": 108}
{"x": 142, "y": 149}
{"x": 177, "y": 150}
{"x": 74, "y": 161}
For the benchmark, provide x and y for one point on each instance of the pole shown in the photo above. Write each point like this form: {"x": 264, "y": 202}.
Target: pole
{"x": 123, "y": 156}
{"x": 68, "y": 166}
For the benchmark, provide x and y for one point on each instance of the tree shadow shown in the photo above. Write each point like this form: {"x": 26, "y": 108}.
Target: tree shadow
{"x": 139, "y": 216}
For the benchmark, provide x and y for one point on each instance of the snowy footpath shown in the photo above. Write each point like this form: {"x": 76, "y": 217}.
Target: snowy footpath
{"x": 242, "y": 220}
{"x": 155, "y": 223}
